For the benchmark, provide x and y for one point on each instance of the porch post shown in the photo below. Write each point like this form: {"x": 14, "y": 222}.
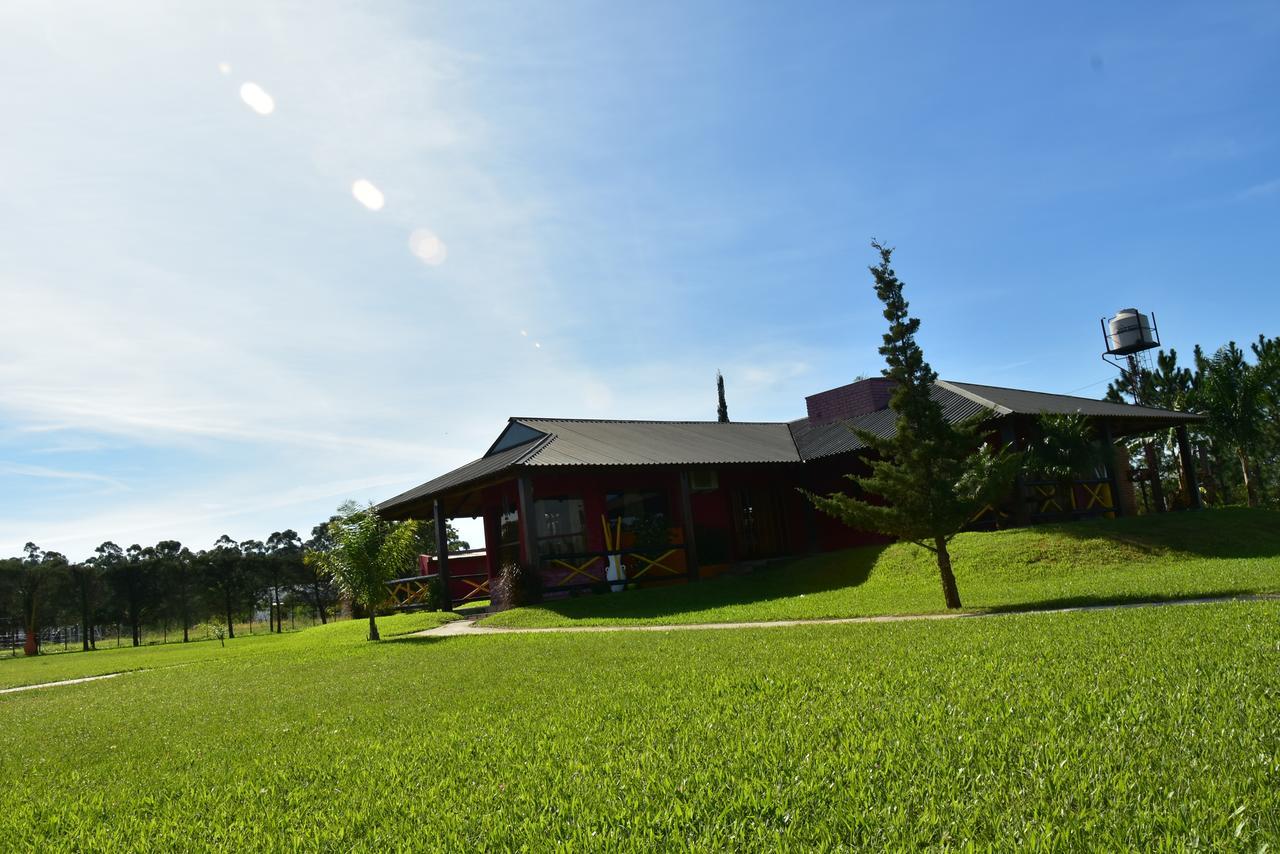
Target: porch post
{"x": 1021, "y": 513}
{"x": 1109, "y": 445}
{"x": 442, "y": 552}
{"x": 690, "y": 539}
{"x": 1188, "y": 469}
{"x": 528, "y": 531}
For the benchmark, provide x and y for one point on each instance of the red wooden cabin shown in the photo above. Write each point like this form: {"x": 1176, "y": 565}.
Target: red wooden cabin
{"x": 606, "y": 503}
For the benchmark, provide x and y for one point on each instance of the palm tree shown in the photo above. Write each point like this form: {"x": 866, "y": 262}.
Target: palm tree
{"x": 367, "y": 552}
{"x": 1065, "y": 450}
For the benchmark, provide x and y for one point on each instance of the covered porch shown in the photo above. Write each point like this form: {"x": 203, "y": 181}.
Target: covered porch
{"x": 609, "y": 528}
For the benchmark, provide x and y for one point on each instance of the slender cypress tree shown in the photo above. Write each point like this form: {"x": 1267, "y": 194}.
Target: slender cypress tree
{"x": 932, "y": 475}
{"x": 722, "y": 408}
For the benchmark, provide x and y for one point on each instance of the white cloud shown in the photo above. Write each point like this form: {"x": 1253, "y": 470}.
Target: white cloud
{"x": 1257, "y": 191}
{"x": 45, "y": 473}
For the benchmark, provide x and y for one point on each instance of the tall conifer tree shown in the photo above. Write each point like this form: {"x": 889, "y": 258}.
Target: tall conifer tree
{"x": 722, "y": 408}
{"x": 932, "y": 476}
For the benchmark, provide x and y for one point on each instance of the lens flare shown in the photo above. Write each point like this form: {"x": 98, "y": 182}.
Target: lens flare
{"x": 224, "y": 67}
{"x": 429, "y": 248}
{"x": 257, "y": 98}
{"x": 368, "y": 195}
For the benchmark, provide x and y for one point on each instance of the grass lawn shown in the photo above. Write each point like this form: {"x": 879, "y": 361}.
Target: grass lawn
{"x": 1143, "y": 728}
{"x": 1170, "y": 556}
{"x": 108, "y": 658}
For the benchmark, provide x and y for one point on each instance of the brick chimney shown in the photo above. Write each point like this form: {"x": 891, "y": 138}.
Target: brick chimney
{"x": 849, "y": 401}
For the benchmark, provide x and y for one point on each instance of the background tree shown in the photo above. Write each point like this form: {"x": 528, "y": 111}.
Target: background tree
{"x": 37, "y": 573}
{"x": 1231, "y": 395}
{"x": 176, "y": 583}
{"x": 129, "y": 577}
{"x": 253, "y": 564}
{"x": 932, "y": 475}
{"x": 224, "y": 577}
{"x": 315, "y": 577}
{"x": 425, "y": 538}
{"x": 84, "y": 586}
{"x": 722, "y": 408}
{"x": 283, "y": 567}
{"x": 367, "y": 552}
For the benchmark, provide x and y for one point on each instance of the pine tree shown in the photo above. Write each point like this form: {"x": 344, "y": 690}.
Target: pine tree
{"x": 932, "y": 476}
{"x": 722, "y": 409}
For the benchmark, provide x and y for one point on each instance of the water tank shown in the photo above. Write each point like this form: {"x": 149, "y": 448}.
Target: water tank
{"x": 1130, "y": 332}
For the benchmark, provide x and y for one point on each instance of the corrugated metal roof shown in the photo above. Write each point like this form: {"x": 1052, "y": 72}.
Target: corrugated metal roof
{"x": 1022, "y": 402}
{"x": 838, "y": 437}
{"x": 623, "y": 443}
{"x": 473, "y": 471}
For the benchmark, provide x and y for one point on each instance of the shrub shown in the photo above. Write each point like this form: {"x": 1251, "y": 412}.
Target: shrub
{"x": 433, "y": 599}
{"x": 517, "y": 585}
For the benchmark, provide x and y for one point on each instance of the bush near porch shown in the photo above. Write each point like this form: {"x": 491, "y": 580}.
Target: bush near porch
{"x": 1169, "y": 556}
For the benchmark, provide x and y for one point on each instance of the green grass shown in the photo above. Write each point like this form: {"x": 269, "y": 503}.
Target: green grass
{"x": 1144, "y": 728}
{"x": 1172, "y": 556}
{"x": 20, "y": 670}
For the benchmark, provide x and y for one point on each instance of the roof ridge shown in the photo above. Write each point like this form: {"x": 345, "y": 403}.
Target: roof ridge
{"x": 534, "y": 447}
{"x": 524, "y": 419}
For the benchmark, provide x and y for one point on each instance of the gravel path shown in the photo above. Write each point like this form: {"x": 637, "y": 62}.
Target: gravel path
{"x": 469, "y": 626}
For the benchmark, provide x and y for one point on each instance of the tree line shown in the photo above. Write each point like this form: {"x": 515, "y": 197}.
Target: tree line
{"x": 172, "y": 588}
{"x": 1237, "y": 448}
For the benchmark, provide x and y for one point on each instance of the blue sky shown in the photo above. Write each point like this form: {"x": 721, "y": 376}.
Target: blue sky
{"x": 204, "y": 331}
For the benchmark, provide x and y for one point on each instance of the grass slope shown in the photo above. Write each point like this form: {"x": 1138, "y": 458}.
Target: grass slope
{"x": 1144, "y": 558}
{"x": 1143, "y": 728}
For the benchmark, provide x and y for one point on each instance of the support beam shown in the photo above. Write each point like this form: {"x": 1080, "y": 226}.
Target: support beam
{"x": 442, "y": 552}
{"x": 1152, "y": 459}
{"x": 690, "y": 539}
{"x": 1109, "y": 445}
{"x": 528, "y": 530}
{"x": 1188, "y": 469}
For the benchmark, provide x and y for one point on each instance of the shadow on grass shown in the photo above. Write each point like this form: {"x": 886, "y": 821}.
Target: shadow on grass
{"x": 411, "y": 640}
{"x": 1227, "y": 532}
{"x": 782, "y": 579}
{"x": 1120, "y": 600}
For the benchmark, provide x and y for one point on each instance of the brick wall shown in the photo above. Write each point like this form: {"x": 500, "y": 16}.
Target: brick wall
{"x": 849, "y": 401}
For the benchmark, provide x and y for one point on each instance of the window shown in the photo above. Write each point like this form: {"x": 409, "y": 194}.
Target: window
{"x": 562, "y": 525}
{"x": 644, "y": 518}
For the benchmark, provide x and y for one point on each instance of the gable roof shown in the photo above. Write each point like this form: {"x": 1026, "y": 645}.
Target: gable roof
{"x": 966, "y": 400}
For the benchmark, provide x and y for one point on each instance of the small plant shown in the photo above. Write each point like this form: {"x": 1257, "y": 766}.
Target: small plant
{"x": 651, "y": 533}
{"x": 433, "y": 599}
{"x": 516, "y": 586}
{"x": 216, "y": 630}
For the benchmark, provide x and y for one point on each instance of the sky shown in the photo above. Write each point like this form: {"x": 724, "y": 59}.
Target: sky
{"x": 258, "y": 258}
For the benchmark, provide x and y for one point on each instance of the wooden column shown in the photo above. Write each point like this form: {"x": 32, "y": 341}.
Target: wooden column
{"x": 528, "y": 531}
{"x": 1109, "y": 445}
{"x": 1188, "y": 469}
{"x": 690, "y": 539}
{"x": 1152, "y": 459}
{"x": 1021, "y": 512}
{"x": 442, "y": 552}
